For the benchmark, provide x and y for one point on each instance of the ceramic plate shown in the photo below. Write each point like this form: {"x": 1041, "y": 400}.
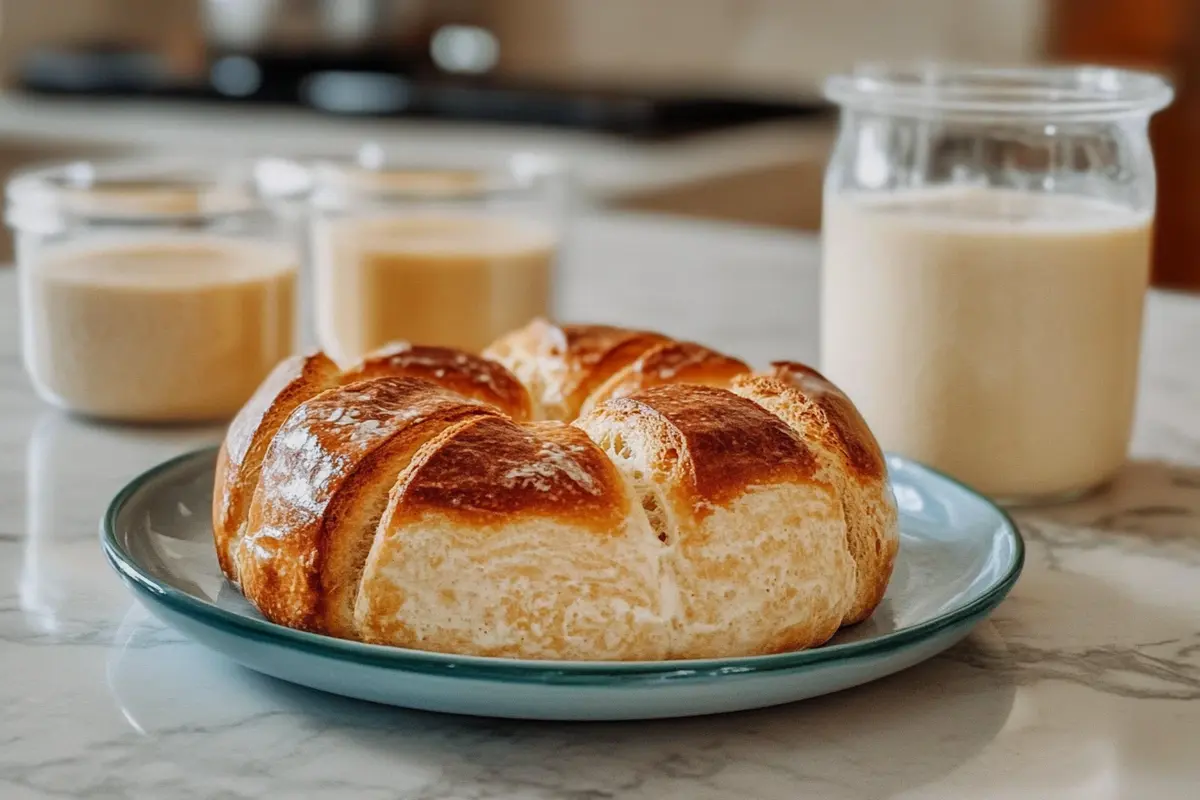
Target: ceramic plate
{"x": 959, "y": 556}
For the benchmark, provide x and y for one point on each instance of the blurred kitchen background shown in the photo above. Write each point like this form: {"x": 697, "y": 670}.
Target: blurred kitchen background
{"x": 705, "y": 108}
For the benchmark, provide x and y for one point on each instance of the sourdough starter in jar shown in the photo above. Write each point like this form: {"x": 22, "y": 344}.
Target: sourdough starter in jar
{"x": 451, "y": 280}
{"x": 992, "y": 334}
{"x": 176, "y": 329}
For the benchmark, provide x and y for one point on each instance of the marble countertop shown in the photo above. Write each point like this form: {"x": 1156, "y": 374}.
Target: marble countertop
{"x": 1085, "y": 683}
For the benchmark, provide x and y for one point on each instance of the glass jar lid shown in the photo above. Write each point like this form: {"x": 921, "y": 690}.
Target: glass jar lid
{"x": 1052, "y": 92}
{"x": 149, "y": 191}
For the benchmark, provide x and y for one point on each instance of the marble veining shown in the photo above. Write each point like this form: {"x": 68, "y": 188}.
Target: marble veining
{"x": 1084, "y": 684}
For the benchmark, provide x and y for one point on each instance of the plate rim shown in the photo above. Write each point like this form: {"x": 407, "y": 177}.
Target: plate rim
{"x": 493, "y": 668}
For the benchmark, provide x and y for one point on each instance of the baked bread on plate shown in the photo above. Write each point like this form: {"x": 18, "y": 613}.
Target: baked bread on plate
{"x": 580, "y": 492}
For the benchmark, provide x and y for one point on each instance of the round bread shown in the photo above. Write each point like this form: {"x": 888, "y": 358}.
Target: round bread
{"x": 850, "y": 459}
{"x": 755, "y": 543}
{"x": 409, "y": 500}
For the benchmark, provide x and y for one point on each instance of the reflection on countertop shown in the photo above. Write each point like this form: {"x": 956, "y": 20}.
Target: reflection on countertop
{"x": 65, "y": 459}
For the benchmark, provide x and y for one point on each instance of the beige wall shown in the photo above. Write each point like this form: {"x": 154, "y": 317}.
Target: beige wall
{"x": 27, "y": 23}
{"x": 772, "y": 46}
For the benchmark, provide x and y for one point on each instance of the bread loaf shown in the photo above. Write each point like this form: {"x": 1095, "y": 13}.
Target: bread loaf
{"x": 693, "y": 510}
{"x": 755, "y": 544}
{"x": 850, "y": 460}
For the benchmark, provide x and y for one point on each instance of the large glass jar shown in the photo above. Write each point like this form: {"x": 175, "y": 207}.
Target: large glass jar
{"x": 155, "y": 290}
{"x": 987, "y": 240}
{"x": 450, "y": 253}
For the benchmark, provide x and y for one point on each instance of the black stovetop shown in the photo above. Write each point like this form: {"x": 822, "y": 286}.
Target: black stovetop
{"x": 383, "y": 86}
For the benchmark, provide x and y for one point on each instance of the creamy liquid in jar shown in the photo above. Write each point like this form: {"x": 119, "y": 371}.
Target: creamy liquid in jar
{"x": 155, "y": 330}
{"x": 456, "y": 281}
{"x": 992, "y": 334}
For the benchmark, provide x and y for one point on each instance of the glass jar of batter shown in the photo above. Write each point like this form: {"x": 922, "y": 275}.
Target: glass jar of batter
{"x": 987, "y": 240}
{"x": 452, "y": 253}
{"x": 155, "y": 290}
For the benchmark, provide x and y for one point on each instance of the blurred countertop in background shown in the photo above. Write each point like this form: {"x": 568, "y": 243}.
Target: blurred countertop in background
{"x": 761, "y": 173}
{"x": 609, "y": 168}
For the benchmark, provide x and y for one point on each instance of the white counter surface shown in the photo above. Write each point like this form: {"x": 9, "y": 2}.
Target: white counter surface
{"x": 1084, "y": 684}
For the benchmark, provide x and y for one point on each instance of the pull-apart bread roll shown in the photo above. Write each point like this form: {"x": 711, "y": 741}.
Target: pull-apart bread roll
{"x": 850, "y": 459}
{"x": 562, "y": 365}
{"x": 755, "y": 543}
{"x": 323, "y": 488}
{"x": 509, "y": 540}
{"x": 301, "y": 378}
{"x": 471, "y": 376}
{"x": 668, "y": 363}
{"x": 293, "y": 381}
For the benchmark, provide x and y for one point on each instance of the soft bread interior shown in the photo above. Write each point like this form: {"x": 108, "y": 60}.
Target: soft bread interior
{"x": 563, "y": 365}
{"x": 301, "y": 378}
{"x": 865, "y": 498}
{"x": 352, "y": 520}
{"x": 764, "y": 571}
{"x": 523, "y": 353}
{"x": 548, "y": 557}
{"x": 630, "y": 457}
{"x": 323, "y": 483}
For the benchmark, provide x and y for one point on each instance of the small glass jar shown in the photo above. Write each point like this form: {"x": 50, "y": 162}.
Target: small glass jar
{"x": 987, "y": 240}
{"x": 155, "y": 290}
{"x": 453, "y": 253}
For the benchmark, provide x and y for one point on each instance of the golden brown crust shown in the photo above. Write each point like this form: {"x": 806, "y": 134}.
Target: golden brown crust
{"x": 669, "y": 362}
{"x": 850, "y": 458}
{"x": 299, "y": 378}
{"x": 312, "y": 474}
{"x": 724, "y": 442}
{"x": 293, "y": 381}
{"x": 519, "y": 541}
{"x": 468, "y": 374}
{"x": 755, "y": 542}
{"x": 862, "y": 452}
{"x": 488, "y": 470}
{"x": 563, "y": 364}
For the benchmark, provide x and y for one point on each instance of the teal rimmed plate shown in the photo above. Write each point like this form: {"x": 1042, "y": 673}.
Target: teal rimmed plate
{"x": 959, "y": 556}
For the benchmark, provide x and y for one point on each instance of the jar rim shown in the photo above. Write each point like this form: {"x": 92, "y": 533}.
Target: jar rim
{"x": 149, "y": 190}
{"x": 1083, "y": 92}
{"x": 375, "y": 173}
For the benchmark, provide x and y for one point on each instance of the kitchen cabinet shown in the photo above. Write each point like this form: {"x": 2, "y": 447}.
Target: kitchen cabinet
{"x": 1160, "y": 35}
